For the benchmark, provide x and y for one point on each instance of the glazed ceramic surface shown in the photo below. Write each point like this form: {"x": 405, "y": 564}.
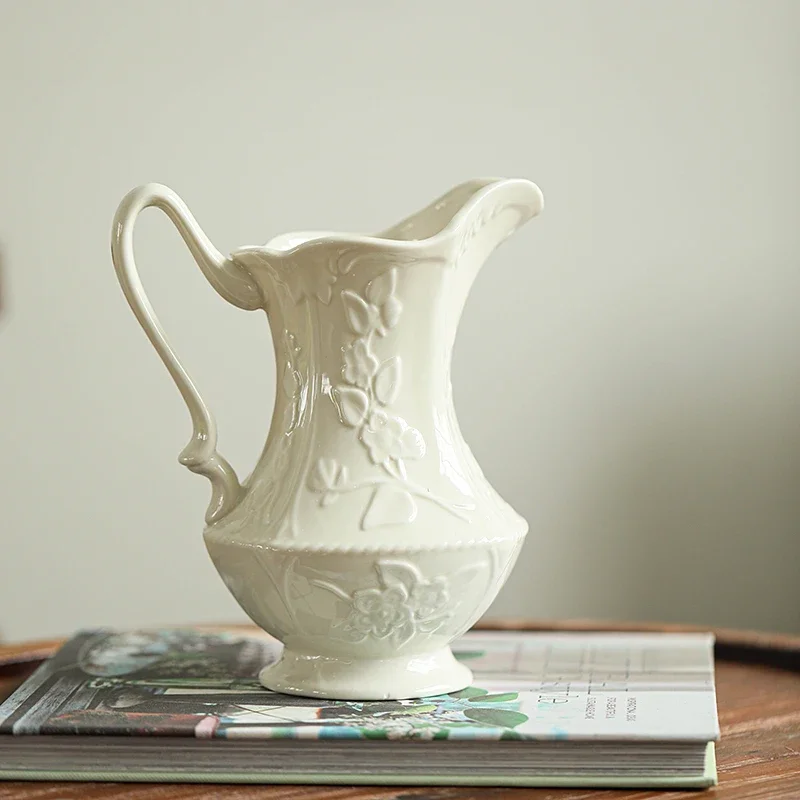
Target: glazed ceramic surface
{"x": 367, "y": 538}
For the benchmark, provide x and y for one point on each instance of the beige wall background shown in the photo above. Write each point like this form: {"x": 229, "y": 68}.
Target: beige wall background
{"x": 628, "y": 366}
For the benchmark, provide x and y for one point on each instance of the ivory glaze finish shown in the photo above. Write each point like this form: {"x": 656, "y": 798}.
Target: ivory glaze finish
{"x": 367, "y": 538}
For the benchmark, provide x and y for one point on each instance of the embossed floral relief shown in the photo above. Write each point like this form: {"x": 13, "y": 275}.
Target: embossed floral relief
{"x": 390, "y": 440}
{"x": 292, "y": 382}
{"x": 363, "y": 399}
{"x": 314, "y": 273}
{"x": 360, "y": 365}
{"x": 267, "y": 484}
{"x": 482, "y": 219}
{"x": 402, "y": 605}
{"x": 329, "y": 478}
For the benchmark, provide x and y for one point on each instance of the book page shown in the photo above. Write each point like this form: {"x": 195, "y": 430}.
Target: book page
{"x": 611, "y": 686}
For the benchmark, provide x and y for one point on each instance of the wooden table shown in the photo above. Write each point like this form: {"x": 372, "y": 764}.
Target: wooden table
{"x": 758, "y": 758}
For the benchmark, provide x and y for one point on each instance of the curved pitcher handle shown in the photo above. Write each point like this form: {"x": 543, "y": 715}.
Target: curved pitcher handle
{"x": 200, "y": 454}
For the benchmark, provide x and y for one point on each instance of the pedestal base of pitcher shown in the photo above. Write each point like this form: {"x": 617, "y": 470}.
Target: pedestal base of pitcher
{"x": 399, "y": 678}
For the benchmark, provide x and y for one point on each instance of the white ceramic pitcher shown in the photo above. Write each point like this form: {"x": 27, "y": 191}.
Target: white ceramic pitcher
{"x": 367, "y": 538}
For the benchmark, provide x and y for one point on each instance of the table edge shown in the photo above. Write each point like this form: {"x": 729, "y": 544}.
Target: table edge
{"x": 749, "y": 646}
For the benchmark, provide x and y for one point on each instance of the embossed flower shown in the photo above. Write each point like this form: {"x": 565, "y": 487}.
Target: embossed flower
{"x": 381, "y": 612}
{"x": 388, "y": 437}
{"x": 360, "y": 365}
{"x": 430, "y": 599}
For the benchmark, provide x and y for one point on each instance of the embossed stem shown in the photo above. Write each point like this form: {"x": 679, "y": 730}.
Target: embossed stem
{"x": 418, "y": 491}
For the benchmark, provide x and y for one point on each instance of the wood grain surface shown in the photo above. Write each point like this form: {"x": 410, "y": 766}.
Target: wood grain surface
{"x": 758, "y": 758}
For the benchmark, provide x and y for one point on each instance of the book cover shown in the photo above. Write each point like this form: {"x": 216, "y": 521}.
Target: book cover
{"x": 601, "y": 687}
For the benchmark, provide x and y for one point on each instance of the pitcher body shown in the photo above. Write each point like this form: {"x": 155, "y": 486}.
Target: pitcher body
{"x": 366, "y": 538}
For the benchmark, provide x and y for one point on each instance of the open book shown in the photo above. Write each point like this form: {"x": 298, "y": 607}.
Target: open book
{"x": 545, "y": 710}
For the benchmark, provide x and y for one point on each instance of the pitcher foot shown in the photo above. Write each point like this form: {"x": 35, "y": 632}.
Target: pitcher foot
{"x": 399, "y": 678}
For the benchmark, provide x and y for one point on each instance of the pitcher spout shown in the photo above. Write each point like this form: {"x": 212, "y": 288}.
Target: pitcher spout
{"x": 475, "y": 216}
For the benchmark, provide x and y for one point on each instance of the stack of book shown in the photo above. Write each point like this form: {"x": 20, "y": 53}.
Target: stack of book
{"x": 636, "y": 710}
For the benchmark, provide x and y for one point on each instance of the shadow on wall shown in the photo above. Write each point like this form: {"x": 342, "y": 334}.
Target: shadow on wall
{"x": 676, "y": 503}
{"x": 705, "y": 507}
{"x": 2, "y": 283}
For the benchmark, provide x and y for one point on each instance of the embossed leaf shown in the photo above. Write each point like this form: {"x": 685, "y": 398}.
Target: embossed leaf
{"x": 346, "y": 260}
{"x": 404, "y": 633}
{"x": 321, "y": 476}
{"x": 327, "y": 474}
{"x": 398, "y": 573}
{"x": 379, "y": 289}
{"x": 351, "y": 403}
{"x": 360, "y": 316}
{"x": 430, "y": 599}
{"x": 324, "y": 291}
{"x": 389, "y": 505}
{"x": 396, "y": 468}
{"x": 328, "y": 498}
{"x": 291, "y": 381}
{"x": 309, "y": 283}
{"x": 332, "y": 588}
{"x": 341, "y": 477}
{"x": 387, "y": 381}
{"x": 390, "y": 311}
{"x": 432, "y": 625}
{"x": 352, "y": 634}
{"x": 332, "y": 264}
